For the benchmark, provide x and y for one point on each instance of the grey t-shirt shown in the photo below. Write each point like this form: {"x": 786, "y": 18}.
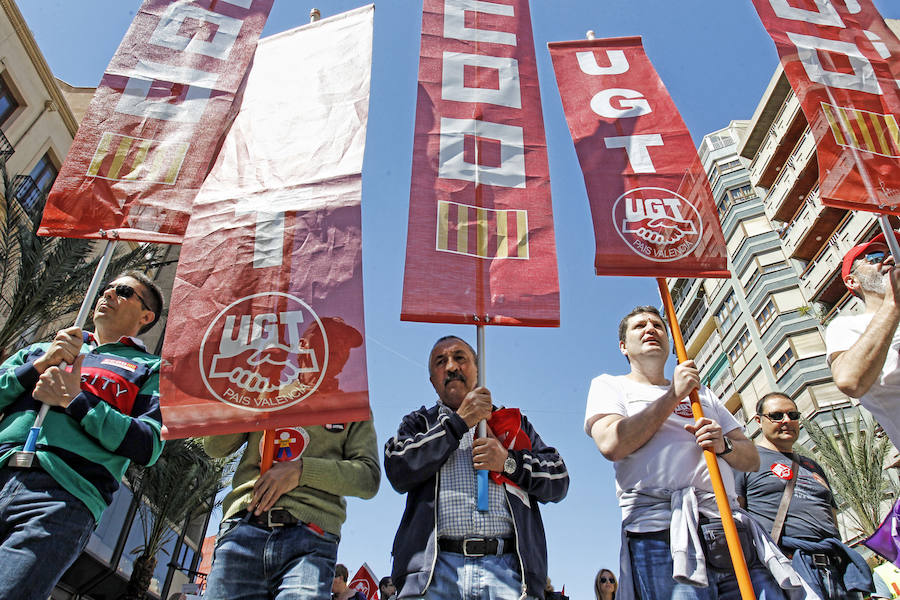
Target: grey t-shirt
{"x": 809, "y": 515}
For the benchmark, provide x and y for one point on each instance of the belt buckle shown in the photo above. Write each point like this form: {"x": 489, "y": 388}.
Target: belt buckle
{"x": 465, "y": 547}
{"x": 269, "y": 520}
{"x": 820, "y": 560}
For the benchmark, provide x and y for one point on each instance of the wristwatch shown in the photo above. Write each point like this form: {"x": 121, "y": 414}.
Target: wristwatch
{"x": 729, "y": 446}
{"x": 509, "y": 465}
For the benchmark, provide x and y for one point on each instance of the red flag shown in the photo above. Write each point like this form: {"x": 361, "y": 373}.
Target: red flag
{"x": 266, "y": 327}
{"x": 843, "y": 63}
{"x": 506, "y": 425}
{"x": 652, "y": 208}
{"x": 365, "y": 582}
{"x": 155, "y": 123}
{"x": 480, "y": 243}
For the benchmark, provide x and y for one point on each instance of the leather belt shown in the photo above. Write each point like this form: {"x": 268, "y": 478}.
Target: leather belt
{"x": 822, "y": 561}
{"x": 277, "y": 517}
{"x": 478, "y": 546}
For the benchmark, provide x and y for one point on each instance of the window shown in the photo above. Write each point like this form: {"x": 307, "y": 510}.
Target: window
{"x": 739, "y": 346}
{"x": 739, "y": 194}
{"x": 784, "y": 362}
{"x": 766, "y": 315}
{"x": 727, "y": 312}
{"x": 8, "y": 102}
{"x": 44, "y": 173}
{"x": 31, "y": 190}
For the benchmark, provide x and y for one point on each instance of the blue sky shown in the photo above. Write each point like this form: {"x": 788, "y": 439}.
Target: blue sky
{"x": 715, "y": 59}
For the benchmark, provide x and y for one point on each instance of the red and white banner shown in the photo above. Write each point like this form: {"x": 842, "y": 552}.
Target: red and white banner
{"x": 480, "y": 243}
{"x": 365, "y": 581}
{"x": 266, "y": 327}
{"x": 156, "y": 121}
{"x": 844, "y": 66}
{"x": 653, "y": 212}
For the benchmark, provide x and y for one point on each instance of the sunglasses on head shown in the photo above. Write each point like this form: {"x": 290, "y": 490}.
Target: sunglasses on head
{"x": 125, "y": 291}
{"x": 874, "y": 257}
{"x": 607, "y": 580}
{"x": 778, "y": 415}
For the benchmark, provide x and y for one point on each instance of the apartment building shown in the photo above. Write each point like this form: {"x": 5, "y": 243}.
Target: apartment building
{"x": 39, "y": 116}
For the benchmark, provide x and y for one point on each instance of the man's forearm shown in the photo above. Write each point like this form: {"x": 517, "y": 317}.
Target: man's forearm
{"x": 744, "y": 457}
{"x": 858, "y": 368}
{"x": 618, "y": 438}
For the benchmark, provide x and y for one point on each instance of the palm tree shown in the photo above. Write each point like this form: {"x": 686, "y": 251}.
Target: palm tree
{"x": 176, "y": 489}
{"x": 854, "y": 457}
{"x": 43, "y": 279}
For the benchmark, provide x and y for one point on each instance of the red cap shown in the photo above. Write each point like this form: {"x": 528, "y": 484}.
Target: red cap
{"x": 858, "y": 250}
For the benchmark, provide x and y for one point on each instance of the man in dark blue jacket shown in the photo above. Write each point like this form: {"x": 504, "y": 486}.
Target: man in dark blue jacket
{"x": 433, "y": 459}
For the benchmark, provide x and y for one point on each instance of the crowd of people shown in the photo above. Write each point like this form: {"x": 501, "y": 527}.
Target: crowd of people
{"x": 280, "y": 530}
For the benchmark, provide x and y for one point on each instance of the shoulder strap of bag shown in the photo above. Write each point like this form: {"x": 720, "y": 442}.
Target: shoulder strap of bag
{"x": 778, "y": 524}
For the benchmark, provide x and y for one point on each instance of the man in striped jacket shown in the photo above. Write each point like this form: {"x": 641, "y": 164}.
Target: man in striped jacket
{"x": 104, "y": 414}
{"x": 445, "y": 548}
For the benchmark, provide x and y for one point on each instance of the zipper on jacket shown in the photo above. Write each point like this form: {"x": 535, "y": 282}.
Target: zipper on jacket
{"x": 437, "y": 480}
{"x": 518, "y": 546}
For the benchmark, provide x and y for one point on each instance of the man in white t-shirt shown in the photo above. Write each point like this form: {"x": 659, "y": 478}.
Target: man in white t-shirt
{"x": 863, "y": 350}
{"x": 672, "y": 543}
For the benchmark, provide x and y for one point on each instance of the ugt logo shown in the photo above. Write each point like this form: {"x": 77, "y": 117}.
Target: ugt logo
{"x": 256, "y": 353}
{"x": 657, "y": 223}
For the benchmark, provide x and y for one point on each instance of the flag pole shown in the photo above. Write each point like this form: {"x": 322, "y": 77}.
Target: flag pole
{"x": 889, "y": 237}
{"x": 482, "y": 480}
{"x": 712, "y": 463}
{"x": 268, "y": 441}
{"x": 25, "y": 457}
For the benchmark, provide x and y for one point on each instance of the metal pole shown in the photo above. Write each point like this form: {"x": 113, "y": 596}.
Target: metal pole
{"x": 712, "y": 462}
{"x": 889, "y": 237}
{"x": 482, "y": 426}
{"x": 25, "y": 457}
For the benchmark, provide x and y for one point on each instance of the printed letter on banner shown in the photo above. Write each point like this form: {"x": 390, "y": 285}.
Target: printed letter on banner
{"x": 480, "y": 245}
{"x": 843, "y": 63}
{"x": 266, "y": 327}
{"x": 156, "y": 120}
{"x": 652, "y": 208}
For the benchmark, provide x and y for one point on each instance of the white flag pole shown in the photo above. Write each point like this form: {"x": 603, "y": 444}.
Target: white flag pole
{"x": 482, "y": 425}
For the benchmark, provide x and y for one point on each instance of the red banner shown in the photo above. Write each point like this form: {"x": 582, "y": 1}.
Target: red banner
{"x": 365, "y": 581}
{"x": 266, "y": 327}
{"x": 157, "y": 118}
{"x": 480, "y": 243}
{"x": 844, "y": 66}
{"x": 653, "y": 212}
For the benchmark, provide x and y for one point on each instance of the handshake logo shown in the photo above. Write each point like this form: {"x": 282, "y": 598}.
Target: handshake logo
{"x": 657, "y": 224}
{"x": 256, "y": 353}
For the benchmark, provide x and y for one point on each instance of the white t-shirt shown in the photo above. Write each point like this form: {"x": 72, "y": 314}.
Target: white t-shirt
{"x": 883, "y": 398}
{"x": 671, "y": 459}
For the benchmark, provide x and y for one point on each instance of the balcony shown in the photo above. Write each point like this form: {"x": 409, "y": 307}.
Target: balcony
{"x": 713, "y": 346}
{"x": 786, "y": 126}
{"x": 812, "y": 223}
{"x": 6, "y": 149}
{"x": 820, "y": 272}
{"x": 29, "y": 195}
{"x": 798, "y": 175}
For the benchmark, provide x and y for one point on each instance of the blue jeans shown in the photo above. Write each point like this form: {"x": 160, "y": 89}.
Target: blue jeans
{"x": 284, "y": 563}
{"x": 651, "y": 567}
{"x": 43, "y": 529}
{"x": 459, "y": 577}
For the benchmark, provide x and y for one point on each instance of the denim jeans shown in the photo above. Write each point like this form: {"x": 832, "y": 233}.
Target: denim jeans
{"x": 459, "y": 577}
{"x": 284, "y": 563}
{"x": 43, "y": 529}
{"x": 832, "y": 583}
{"x": 651, "y": 566}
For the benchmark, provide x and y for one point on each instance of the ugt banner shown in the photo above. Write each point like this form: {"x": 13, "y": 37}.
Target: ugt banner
{"x": 653, "y": 212}
{"x": 266, "y": 328}
{"x": 480, "y": 243}
{"x": 155, "y": 123}
{"x": 365, "y": 582}
{"x": 844, "y": 66}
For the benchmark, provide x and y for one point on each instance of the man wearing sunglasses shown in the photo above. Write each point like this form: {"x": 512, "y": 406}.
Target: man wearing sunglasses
{"x": 790, "y": 497}
{"x": 863, "y": 349}
{"x": 104, "y": 414}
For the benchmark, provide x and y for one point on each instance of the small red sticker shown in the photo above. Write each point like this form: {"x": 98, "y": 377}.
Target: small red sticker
{"x": 684, "y": 410}
{"x": 782, "y": 471}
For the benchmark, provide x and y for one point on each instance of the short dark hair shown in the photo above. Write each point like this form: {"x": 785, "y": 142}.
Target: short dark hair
{"x": 444, "y": 339}
{"x": 383, "y": 582}
{"x": 155, "y": 301}
{"x": 761, "y": 403}
{"x": 637, "y": 310}
{"x": 342, "y": 572}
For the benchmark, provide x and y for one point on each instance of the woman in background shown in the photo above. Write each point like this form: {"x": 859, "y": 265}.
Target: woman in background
{"x": 605, "y": 585}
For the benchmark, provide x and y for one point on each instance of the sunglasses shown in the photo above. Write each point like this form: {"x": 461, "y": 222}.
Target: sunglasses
{"x": 125, "y": 291}
{"x": 607, "y": 580}
{"x": 874, "y": 257}
{"x": 778, "y": 415}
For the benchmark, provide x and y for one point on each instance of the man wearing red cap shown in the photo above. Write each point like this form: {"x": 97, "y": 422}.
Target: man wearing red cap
{"x": 863, "y": 350}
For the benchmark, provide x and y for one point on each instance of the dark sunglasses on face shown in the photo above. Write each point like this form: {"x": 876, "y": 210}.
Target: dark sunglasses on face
{"x": 125, "y": 291}
{"x": 874, "y": 257}
{"x": 607, "y": 580}
{"x": 778, "y": 415}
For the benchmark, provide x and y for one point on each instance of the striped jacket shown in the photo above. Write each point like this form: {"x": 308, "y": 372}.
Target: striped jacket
{"x": 87, "y": 446}
{"x": 412, "y": 461}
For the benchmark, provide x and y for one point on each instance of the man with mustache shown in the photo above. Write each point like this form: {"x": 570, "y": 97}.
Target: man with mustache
{"x": 104, "y": 414}
{"x": 863, "y": 349}
{"x": 445, "y": 548}
{"x": 790, "y": 497}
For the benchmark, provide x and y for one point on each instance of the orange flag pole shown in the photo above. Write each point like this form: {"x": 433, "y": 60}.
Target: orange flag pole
{"x": 268, "y": 451}
{"x": 712, "y": 463}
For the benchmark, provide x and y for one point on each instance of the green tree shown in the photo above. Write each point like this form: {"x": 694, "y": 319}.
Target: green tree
{"x": 176, "y": 489}
{"x": 43, "y": 279}
{"x": 854, "y": 456}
